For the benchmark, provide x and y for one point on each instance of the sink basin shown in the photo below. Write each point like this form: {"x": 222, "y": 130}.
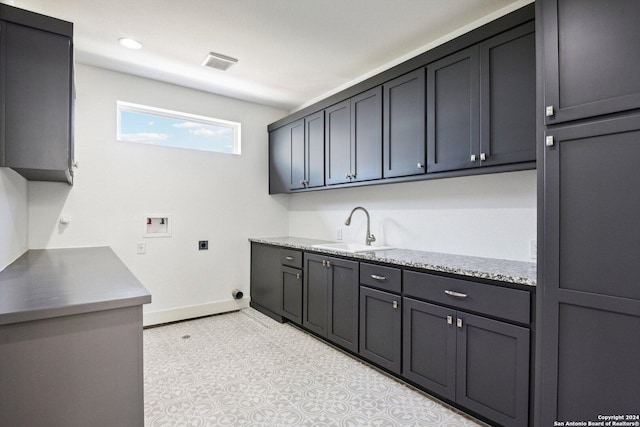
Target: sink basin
{"x": 350, "y": 247}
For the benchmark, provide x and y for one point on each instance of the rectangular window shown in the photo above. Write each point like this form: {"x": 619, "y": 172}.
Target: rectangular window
{"x": 156, "y": 126}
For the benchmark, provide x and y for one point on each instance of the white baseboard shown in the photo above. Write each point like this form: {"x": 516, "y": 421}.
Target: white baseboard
{"x": 193, "y": 311}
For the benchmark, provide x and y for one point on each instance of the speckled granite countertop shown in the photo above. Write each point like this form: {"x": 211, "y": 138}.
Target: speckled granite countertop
{"x": 518, "y": 272}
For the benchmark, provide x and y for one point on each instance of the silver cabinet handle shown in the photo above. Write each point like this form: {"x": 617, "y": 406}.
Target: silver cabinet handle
{"x": 473, "y": 157}
{"x": 324, "y": 262}
{"x": 483, "y": 156}
{"x": 395, "y": 304}
{"x": 348, "y": 176}
{"x": 420, "y": 165}
{"x": 376, "y": 277}
{"x": 459, "y": 323}
{"x": 289, "y": 258}
{"x": 548, "y": 111}
{"x": 549, "y": 141}
{"x": 298, "y": 276}
{"x": 455, "y": 294}
{"x": 450, "y": 320}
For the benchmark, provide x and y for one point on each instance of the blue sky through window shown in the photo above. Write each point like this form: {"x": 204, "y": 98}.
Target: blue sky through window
{"x": 179, "y": 131}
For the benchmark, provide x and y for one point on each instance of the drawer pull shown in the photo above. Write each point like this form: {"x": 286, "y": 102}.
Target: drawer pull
{"x": 449, "y": 320}
{"x": 289, "y": 258}
{"x": 455, "y": 294}
{"x": 376, "y": 277}
{"x": 395, "y": 304}
{"x": 298, "y": 276}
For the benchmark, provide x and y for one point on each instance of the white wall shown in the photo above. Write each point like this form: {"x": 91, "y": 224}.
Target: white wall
{"x": 211, "y": 196}
{"x": 13, "y": 216}
{"x": 487, "y": 215}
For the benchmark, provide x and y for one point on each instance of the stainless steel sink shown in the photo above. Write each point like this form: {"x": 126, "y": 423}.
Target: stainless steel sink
{"x": 350, "y": 247}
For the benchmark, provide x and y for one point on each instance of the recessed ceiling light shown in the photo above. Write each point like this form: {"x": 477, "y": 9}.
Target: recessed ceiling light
{"x": 130, "y": 43}
{"x": 218, "y": 61}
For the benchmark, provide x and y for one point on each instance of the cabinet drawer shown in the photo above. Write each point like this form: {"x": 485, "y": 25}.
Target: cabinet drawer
{"x": 496, "y": 301}
{"x": 291, "y": 258}
{"x": 380, "y": 277}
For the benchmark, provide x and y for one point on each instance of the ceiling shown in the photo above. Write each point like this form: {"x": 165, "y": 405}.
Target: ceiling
{"x": 290, "y": 52}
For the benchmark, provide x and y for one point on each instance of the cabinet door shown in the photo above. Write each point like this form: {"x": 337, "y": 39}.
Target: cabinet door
{"x": 292, "y": 294}
{"x": 366, "y": 135}
{"x": 314, "y": 148}
{"x": 429, "y": 346}
{"x": 453, "y": 115}
{"x": 286, "y": 158}
{"x": 338, "y": 143}
{"x": 36, "y": 93}
{"x": 493, "y": 369}
{"x": 404, "y": 127}
{"x": 297, "y": 161}
{"x": 380, "y": 333}
{"x": 343, "y": 303}
{"x": 590, "y": 313}
{"x": 508, "y": 97}
{"x": 591, "y": 57}
{"x": 315, "y": 294}
{"x": 266, "y": 279}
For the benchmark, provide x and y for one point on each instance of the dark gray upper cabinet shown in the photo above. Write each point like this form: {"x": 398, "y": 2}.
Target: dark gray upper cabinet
{"x": 591, "y": 57}
{"x": 296, "y": 155}
{"x": 36, "y": 91}
{"x": 338, "y": 143}
{"x": 591, "y": 297}
{"x": 481, "y": 104}
{"x": 453, "y": 111}
{"x": 354, "y": 139}
{"x": 281, "y": 154}
{"x": 508, "y": 97}
{"x": 366, "y": 135}
{"x": 380, "y": 328}
{"x": 404, "y": 125}
{"x": 314, "y": 150}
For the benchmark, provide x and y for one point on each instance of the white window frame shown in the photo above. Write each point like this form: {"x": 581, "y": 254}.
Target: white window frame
{"x": 171, "y": 114}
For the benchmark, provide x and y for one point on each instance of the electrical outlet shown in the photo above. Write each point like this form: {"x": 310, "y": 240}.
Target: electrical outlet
{"x": 339, "y": 234}
{"x": 203, "y": 245}
{"x": 141, "y": 247}
{"x": 533, "y": 249}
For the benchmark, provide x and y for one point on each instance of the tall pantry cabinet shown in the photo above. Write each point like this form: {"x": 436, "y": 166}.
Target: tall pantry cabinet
{"x": 589, "y": 205}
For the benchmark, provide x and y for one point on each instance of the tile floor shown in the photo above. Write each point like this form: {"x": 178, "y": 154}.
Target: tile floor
{"x": 244, "y": 369}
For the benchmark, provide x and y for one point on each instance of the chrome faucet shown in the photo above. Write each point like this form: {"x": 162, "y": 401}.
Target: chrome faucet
{"x": 370, "y": 237}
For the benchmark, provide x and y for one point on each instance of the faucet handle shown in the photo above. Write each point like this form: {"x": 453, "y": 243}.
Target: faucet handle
{"x": 371, "y": 238}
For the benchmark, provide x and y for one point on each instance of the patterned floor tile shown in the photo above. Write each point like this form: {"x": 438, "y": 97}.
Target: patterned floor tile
{"x": 244, "y": 369}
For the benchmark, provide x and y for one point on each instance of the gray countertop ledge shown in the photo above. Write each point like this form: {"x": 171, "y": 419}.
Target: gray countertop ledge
{"x": 48, "y": 283}
{"x": 516, "y": 272}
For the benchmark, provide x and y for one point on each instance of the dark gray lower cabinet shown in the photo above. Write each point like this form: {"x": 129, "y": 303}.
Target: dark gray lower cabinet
{"x": 330, "y": 306}
{"x": 429, "y": 353}
{"x": 380, "y": 328}
{"x": 292, "y": 294}
{"x": 492, "y": 372}
{"x": 480, "y": 363}
{"x": 266, "y": 279}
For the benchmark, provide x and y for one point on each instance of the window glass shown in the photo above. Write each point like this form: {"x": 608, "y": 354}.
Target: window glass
{"x": 155, "y": 126}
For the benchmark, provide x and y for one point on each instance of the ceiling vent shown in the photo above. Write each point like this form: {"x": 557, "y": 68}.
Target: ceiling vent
{"x": 219, "y": 62}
